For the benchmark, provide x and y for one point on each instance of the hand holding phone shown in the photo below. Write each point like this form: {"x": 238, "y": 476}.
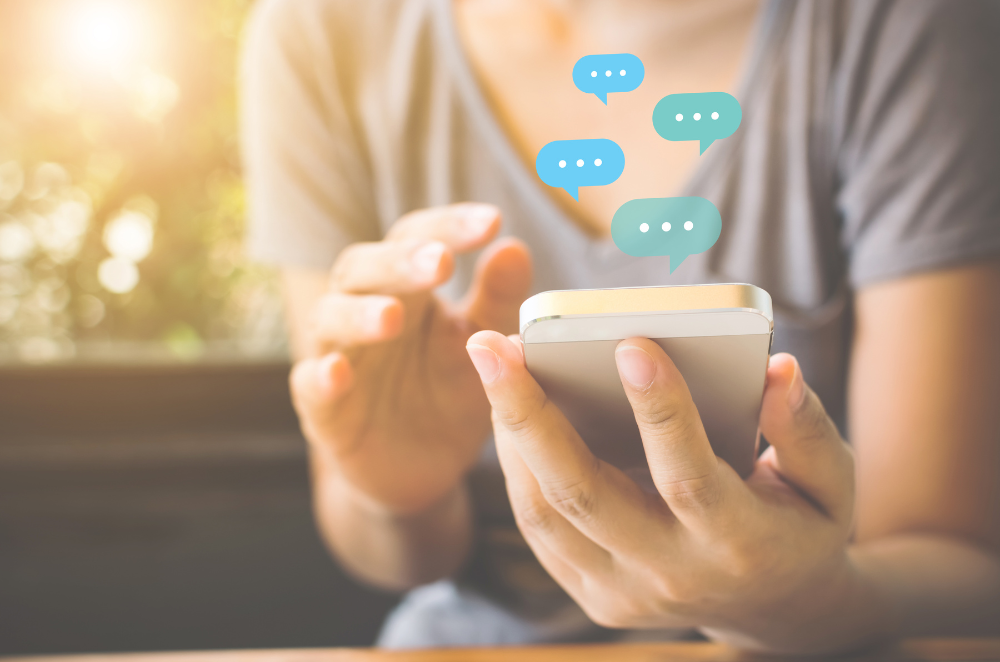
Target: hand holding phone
{"x": 718, "y": 336}
{"x": 760, "y": 562}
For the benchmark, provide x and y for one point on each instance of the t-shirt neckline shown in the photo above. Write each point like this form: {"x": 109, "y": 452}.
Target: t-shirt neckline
{"x": 600, "y": 249}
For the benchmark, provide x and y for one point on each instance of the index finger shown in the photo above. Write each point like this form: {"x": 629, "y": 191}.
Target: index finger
{"x": 684, "y": 467}
{"x": 462, "y": 227}
{"x": 597, "y": 498}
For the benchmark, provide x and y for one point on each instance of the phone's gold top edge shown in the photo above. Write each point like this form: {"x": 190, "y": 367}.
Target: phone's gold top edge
{"x": 675, "y": 298}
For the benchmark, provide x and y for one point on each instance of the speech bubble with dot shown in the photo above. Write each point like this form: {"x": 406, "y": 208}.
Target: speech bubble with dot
{"x": 678, "y": 227}
{"x": 702, "y": 116}
{"x": 570, "y": 164}
{"x": 602, "y": 74}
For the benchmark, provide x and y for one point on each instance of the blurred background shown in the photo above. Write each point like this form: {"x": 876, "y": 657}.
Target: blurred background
{"x": 121, "y": 206}
{"x": 153, "y": 486}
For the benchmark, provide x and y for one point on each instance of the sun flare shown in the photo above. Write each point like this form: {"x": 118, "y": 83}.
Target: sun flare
{"x": 104, "y": 35}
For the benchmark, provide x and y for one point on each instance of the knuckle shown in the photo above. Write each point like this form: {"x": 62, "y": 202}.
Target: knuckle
{"x": 658, "y": 412}
{"x": 670, "y": 588}
{"x": 746, "y": 560}
{"x": 574, "y": 500}
{"x": 677, "y": 594}
{"x": 665, "y": 418}
{"x": 521, "y": 418}
{"x": 693, "y": 492}
{"x": 533, "y": 516}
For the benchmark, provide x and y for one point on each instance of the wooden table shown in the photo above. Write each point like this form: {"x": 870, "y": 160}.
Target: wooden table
{"x": 926, "y": 650}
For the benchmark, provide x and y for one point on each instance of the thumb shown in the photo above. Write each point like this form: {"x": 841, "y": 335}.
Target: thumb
{"x": 808, "y": 450}
{"x": 500, "y": 285}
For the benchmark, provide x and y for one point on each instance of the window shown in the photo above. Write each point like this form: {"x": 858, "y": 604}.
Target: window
{"x": 121, "y": 205}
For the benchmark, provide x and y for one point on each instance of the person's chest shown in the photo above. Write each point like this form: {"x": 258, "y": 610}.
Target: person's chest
{"x": 524, "y": 62}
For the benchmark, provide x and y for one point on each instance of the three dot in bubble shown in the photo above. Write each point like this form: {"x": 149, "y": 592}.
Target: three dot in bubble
{"x": 688, "y": 225}
{"x": 697, "y": 116}
{"x": 580, "y": 163}
{"x": 593, "y": 74}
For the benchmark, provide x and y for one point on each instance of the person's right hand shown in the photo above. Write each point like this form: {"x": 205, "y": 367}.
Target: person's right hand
{"x": 387, "y": 393}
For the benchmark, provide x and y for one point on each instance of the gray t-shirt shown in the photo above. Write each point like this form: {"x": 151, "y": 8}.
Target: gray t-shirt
{"x": 869, "y": 150}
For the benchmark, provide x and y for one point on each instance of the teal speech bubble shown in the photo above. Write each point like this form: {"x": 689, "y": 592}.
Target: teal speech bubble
{"x": 702, "y": 116}
{"x": 677, "y": 227}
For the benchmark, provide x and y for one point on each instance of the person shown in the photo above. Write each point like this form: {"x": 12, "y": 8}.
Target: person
{"x": 388, "y": 149}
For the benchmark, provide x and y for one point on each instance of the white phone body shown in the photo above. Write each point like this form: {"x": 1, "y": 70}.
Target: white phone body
{"x": 718, "y": 336}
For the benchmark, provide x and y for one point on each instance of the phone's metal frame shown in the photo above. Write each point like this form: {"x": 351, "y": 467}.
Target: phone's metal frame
{"x": 718, "y": 335}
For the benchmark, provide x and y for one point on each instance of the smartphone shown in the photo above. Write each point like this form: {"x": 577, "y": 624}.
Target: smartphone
{"x": 719, "y": 337}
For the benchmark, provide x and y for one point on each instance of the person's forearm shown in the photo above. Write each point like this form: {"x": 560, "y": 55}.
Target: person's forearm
{"x": 392, "y": 552}
{"x": 837, "y": 611}
{"x": 886, "y": 589}
{"x": 935, "y": 585}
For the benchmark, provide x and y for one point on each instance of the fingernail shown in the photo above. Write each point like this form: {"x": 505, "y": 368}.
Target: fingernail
{"x": 373, "y": 313}
{"x": 486, "y": 361}
{"x": 326, "y": 373}
{"x": 636, "y": 366}
{"x": 427, "y": 258}
{"x": 477, "y": 218}
{"x": 797, "y": 389}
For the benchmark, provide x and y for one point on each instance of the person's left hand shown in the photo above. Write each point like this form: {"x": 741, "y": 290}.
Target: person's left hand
{"x": 755, "y": 562}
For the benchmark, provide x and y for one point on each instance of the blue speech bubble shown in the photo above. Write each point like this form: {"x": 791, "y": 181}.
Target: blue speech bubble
{"x": 677, "y": 227}
{"x": 570, "y": 164}
{"x": 601, "y": 74}
{"x": 702, "y": 116}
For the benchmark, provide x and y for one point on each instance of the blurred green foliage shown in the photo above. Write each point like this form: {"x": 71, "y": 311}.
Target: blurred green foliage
{"x": 117, "y": 127}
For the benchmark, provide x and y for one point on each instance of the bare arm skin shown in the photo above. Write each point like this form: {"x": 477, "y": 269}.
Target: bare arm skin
{"x": 924, "y": 409}
{"x": 388, "y": 550}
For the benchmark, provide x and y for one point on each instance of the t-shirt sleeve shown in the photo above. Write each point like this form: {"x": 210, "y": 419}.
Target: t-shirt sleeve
{"x": 308, "y": 180}
{"x": 919, "y": 162}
